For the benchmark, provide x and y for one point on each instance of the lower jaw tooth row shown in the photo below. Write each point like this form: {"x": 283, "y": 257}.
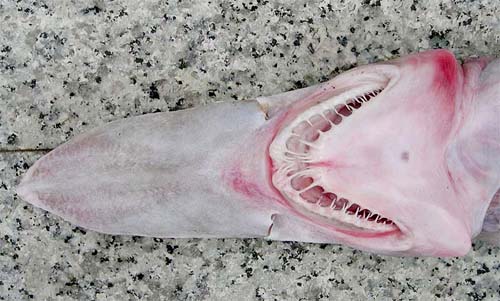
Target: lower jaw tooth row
{"x": 315, "y": 199}
{"x": 301, "y": 187}
{"x": 343, "y": 215}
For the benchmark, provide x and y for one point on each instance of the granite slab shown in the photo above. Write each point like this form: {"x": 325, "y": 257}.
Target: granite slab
{"x": 68, "y": 66}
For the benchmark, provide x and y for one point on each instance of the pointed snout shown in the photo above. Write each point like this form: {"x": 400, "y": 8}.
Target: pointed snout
{"x": 32, "y": 182}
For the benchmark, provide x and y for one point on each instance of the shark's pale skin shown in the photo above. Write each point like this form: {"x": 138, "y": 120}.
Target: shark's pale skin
{"x": 399, "y": 157}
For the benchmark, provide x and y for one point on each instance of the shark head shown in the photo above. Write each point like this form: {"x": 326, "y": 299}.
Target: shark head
{"x": 398, "y": 157}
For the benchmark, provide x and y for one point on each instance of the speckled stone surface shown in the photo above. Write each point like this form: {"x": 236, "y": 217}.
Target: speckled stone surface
{"x": 68, "y": 66}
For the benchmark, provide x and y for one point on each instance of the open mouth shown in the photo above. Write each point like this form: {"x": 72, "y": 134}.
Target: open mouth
{"x": 297, "y": 175}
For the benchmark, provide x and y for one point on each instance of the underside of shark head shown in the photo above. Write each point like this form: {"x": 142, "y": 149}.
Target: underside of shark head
{"x": 383, "y": 160}
{"x": 399, "y": 157}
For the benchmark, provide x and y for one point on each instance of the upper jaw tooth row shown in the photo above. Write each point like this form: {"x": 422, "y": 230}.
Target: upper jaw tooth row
{"x": 294, "y": 177}
{"x": 324, "y": 116}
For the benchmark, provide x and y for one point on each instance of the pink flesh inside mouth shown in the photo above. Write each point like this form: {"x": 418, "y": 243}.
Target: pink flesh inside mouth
{"x": 299, "y": 181}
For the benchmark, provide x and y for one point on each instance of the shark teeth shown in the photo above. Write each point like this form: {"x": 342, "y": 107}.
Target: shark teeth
{"x": 315, "y": 198}
{"x": 296, "y": 178}
{"x": 309, "y": 130}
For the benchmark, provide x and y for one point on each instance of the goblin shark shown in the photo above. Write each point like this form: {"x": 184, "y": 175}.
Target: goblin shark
{"x": 398, "y": 157}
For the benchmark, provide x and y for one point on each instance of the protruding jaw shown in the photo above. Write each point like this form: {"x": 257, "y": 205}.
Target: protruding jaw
{"x": 369, "y": 162}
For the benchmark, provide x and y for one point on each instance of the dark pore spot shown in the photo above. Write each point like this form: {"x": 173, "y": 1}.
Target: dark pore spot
{"x": 405, "y": 156}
